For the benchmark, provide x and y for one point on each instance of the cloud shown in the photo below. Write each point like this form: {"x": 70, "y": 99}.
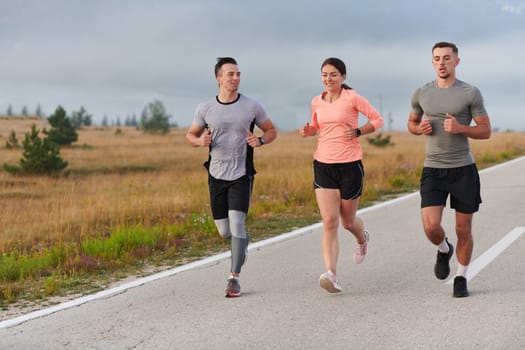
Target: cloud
{"x": 513, "y": 7}
{"x": 114, "y": 59}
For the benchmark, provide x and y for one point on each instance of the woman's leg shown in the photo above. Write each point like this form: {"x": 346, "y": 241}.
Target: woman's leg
{"x": 350, "y": 221}
{"x": 329, "y": 202}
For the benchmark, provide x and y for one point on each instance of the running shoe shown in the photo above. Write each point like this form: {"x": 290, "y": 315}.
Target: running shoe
{"x": 460, "y": 287}
{"x": 442, "y": 267}
{"x": 329, "y": 282}
{"x": 361, "y": 250}
{"x": 233, "y": 289}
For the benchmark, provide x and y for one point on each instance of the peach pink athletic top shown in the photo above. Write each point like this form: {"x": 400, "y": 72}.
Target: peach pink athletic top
{"x": 331, "y": 120}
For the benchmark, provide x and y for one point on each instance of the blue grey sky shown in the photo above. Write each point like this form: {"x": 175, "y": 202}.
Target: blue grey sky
{"x": 114, "y": 56}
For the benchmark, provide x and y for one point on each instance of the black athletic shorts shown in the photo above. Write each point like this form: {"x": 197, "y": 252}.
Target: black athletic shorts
{"x": 347, "y": 177}
{"x": 461, "y": 183}
{"x": 229, "y": 195}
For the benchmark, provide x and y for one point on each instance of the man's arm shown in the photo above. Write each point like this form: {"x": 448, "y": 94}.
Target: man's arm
{"x": 418, "y": 125}
{"x": 269, "y": 131}
{"x": 482, "y": 129}
{"x": 269, "y": 134}
{"x": 197, "y": 137}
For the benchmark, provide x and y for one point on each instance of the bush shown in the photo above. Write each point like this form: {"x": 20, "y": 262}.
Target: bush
{"x": 40, "y": 157}
{"x": 380, "y": 141}
{"x": 12, "y": 142}
{"x": 154, "y": 118}
{"x": 62, "y": 130}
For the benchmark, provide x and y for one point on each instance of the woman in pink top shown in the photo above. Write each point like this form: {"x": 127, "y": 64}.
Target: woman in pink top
{"x": 338, "y": 171}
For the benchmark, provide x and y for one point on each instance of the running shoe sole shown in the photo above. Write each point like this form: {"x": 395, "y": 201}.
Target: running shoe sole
{"x": 326, "y": 283}
{"x": 232, "y": 295}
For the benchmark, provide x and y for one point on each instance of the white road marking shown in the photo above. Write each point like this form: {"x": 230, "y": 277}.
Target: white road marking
{"x": 212, "y": 259}
{"x": 109, "y": 292}
{"x": 492, "y": 253}
{"x": 138, "y": 282}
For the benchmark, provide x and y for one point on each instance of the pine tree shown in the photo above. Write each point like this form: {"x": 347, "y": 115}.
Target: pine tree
{"x": 62, "y": 130}
{"x": 38, "y": 111}
{"x": 12, "y": 142}
{"x": 80, "y": 118}
{"x": 40, "y": 157}
{"x": 134, "y": 121}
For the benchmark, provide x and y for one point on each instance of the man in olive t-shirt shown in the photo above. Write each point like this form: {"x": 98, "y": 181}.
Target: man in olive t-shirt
{"x": 443, "y": 110}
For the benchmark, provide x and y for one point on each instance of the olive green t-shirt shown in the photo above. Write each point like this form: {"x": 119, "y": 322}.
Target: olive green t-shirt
{"x": 463, "y": 101}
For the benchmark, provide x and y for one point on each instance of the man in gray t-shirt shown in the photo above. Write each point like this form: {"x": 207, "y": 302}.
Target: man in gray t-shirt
{"x": 225, "y": 124}
{"x": 444, "y": 110}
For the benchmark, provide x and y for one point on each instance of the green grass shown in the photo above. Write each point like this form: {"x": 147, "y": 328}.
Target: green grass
{"x": 113, "y": 170}
{"x": 92, "y": 263}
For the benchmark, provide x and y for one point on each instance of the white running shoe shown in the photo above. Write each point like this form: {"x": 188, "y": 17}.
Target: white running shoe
{"x": 329, "y": 282}
{"x": 361, "y": 250}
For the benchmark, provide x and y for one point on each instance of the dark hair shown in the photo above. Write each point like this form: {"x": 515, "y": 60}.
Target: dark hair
{"x": 339, "y": 65}
{"x": 222, "y": 61}
{"x": 443, "y": 44}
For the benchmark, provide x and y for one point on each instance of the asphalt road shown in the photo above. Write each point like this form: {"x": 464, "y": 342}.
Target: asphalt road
{"x": 391, "y": 301}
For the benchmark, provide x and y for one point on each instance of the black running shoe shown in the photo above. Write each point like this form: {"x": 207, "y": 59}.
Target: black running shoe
{"x": 442, "y": 267}
{"x": 460, "y": 287}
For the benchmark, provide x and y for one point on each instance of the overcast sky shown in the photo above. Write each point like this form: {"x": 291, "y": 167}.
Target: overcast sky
{"x": 113, "y": 57}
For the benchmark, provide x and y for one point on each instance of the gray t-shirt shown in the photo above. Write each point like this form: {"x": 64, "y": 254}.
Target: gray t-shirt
{"x": 230, "y": 155}
{"x": 463, "y": 101}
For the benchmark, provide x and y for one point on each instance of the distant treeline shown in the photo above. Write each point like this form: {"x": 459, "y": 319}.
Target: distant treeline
{"x": 153, "y": 113}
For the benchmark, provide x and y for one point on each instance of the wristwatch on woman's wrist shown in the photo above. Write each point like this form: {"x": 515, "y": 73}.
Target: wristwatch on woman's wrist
{"x": 261, "y": 140}
{"x": 357, "y": 132}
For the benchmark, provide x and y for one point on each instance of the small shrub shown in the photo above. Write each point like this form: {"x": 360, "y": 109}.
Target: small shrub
{"x": 52, "y": 285}
{"x": 488, "y": 158}
{"x": 397, "y": 181}
{"x": 82, "y": 262}
{"x": 8, "y": 268}
{"x": 40, "y": 157}
{"x": 379, "y": 141}
{"x": 505, "y": 155}
{"x": 12, "y": 142}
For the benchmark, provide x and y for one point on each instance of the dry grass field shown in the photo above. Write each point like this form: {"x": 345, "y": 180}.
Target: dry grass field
{"x": 121, "y": 177}
{"x": 117, "y": 178}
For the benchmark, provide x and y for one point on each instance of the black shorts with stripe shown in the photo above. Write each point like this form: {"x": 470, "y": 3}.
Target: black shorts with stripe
{"x": 346, "y": 177}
